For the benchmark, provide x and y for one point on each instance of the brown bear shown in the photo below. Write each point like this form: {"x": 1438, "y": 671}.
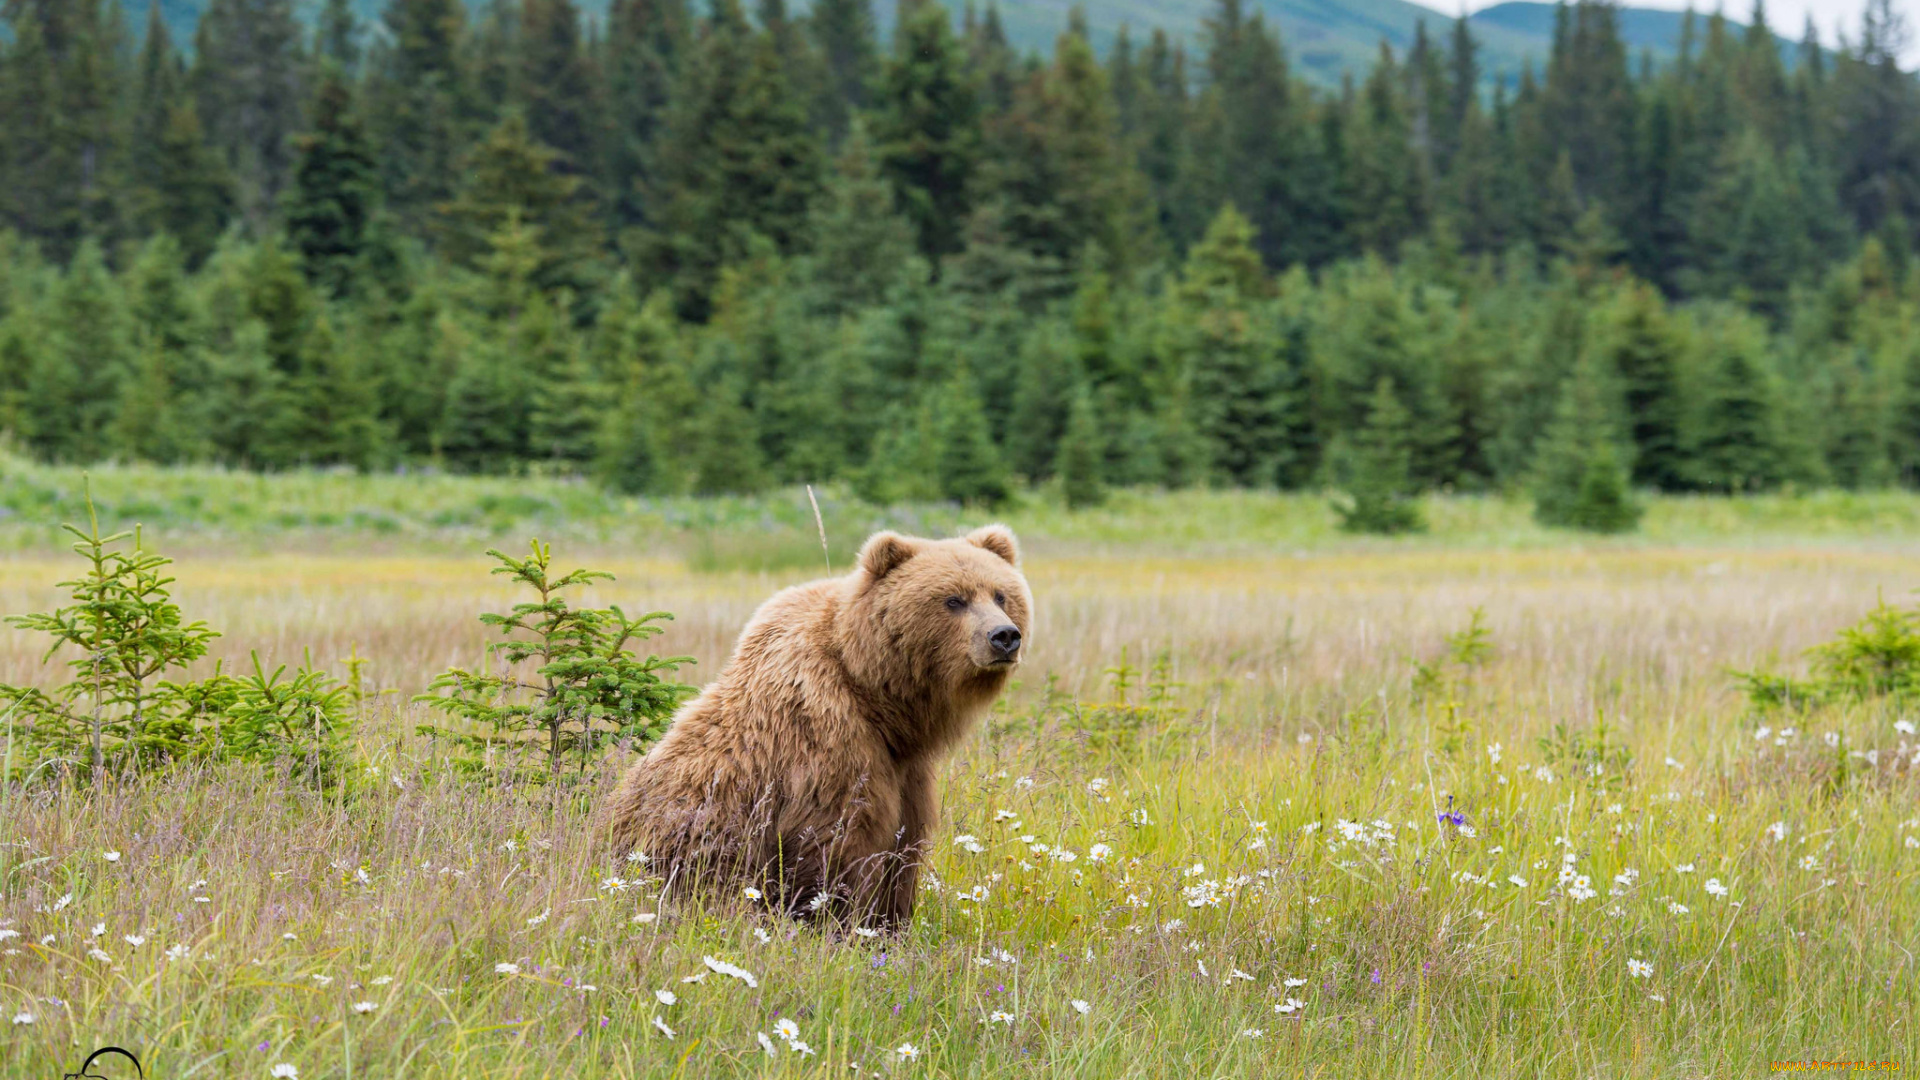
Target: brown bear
{"x": 806, "y": 769}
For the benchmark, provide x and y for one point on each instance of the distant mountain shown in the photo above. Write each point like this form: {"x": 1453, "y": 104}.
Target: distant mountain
{"x": 1325, "y": 38}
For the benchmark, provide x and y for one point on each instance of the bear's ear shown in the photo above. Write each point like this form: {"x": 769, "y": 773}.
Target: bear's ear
{"x": 997, "y": 539}
{"x": 884, "y": 552}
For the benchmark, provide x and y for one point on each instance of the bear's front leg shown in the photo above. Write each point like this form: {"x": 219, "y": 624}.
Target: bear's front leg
{"x": 919, "y": 812}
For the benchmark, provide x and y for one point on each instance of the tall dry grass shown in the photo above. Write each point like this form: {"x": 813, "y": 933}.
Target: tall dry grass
{"x": 1294, "y": 715}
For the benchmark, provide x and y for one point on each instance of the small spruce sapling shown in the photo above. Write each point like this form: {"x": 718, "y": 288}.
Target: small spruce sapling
{"x": 585, "y": 686}
{"x": 304, "y": 719}
{"x": 127, "y": 632}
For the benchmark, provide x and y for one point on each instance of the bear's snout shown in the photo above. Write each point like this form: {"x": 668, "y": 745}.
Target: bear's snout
{"x": 1005, "y": 641}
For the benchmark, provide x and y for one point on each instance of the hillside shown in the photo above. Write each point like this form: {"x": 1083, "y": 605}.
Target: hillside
{"x": 1326, "y": 38}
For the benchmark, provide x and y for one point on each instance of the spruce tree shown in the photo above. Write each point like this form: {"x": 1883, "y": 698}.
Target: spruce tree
{"x": 60, "y": 147}
{"x": 557, "y": 82}
{"x": 1082, "y": 455}
{"x": 1380, "y": 495}
{"x": 564, "y": 419}
{"x": 1238, "y": 378}
{"x": 1580, "y": 481}
{"x": 725, "y": 452}
{"x": 509, "y": 178}
{"x": 738, "y": 161}
{"x": 337, "y": 38}
{"x": 1251, "y": 146}
{"x": 74, "y": 387}
{"x": 1736, "y": 442}
{"x": 970, "y": 468}
{"x": 646, "y": 44}
{"x": 331, "y": 202}
{"x": 249, "y": 81}
{"x": 415, "y": 101}
{"x": 1389, "y": 196}
{"x": 843, "y": 32}
{"x": 483, "y": 427}
{"x": 178, "y": 183}
{"x": 861, "y": 248}
{"x": 1644, "y": 353}
{"x": 927, "y": 127}
{"x": 341, "y": 395}
{"x": 1857, "y": 446}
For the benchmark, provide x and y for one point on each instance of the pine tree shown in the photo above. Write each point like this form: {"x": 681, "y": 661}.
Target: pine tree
{"x": 1082, "y": 455}
{"x": 1380, "y": 492}
{"x": 1580, "y": 481}
{"x": 331, "y": 202}
{"x": 927, "y": 128}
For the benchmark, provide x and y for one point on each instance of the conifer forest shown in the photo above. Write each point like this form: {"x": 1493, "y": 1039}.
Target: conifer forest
{"x": 682, "y": 250}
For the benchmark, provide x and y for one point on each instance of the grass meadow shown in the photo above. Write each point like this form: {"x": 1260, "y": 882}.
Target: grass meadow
{"x": 1201, "y": 837}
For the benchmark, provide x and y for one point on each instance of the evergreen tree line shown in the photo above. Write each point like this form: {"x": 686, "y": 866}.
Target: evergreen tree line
{"x": 717, "y": 252}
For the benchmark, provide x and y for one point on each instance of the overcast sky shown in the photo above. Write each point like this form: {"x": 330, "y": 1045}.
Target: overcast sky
{"x": 1787, "y": 17}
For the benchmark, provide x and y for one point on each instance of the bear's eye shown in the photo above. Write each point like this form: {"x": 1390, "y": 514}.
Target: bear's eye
{"x": 954, "y": 603}
{"x": 1000, "y": 600}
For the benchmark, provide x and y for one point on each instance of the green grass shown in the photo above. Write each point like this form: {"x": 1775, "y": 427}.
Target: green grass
{"x": 1291, "y": 710}
{"x": 216, "y": 508}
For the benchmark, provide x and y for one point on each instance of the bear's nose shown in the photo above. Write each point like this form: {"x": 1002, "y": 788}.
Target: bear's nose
{"x": 1005, "y": 640}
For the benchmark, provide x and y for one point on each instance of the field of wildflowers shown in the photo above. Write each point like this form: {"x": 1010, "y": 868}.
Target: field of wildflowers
{"x": 1433, "y": 808}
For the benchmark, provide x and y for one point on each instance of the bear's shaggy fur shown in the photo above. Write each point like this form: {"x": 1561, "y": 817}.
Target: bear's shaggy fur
{"x": 807, "y": 768}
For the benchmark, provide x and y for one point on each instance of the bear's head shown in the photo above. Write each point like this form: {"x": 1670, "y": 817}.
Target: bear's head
{"x": 936, "y": 622}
